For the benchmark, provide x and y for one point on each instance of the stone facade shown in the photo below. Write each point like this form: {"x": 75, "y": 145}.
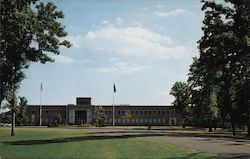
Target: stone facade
{"x": 83, "y": 113}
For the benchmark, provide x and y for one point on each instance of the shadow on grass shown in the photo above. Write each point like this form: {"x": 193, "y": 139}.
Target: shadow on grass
{"x": 76, "y": 139}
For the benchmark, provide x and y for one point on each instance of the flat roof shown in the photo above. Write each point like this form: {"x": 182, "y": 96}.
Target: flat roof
{"x": 51, "y": 105}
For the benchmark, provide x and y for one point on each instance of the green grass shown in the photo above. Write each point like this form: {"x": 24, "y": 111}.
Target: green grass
{"x": 80, "y": 143}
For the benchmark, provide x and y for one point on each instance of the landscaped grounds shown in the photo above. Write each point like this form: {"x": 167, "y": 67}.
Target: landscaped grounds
{"x": 88, "y": 143}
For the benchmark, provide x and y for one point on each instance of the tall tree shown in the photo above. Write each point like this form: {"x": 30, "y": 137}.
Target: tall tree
{"x": 203, "y": 92}
{"x": 21, "y": 110}
{"x": 181, "y": 92}
{"x": 12, "y": 103}
{"x": 224, "y": 53}
{"x": 28, "y": 31}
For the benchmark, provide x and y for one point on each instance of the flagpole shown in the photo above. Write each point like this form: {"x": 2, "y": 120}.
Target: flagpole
{"x": 113, "y": 109}
{"x": 40, "y": 121}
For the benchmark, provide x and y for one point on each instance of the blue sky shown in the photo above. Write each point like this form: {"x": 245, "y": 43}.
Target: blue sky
{"x": 143, "y": 46}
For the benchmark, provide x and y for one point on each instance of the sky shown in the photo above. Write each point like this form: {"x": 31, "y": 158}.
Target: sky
{"x": 142, "y": 46}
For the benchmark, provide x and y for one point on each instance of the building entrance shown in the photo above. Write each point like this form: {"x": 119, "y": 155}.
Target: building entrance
{"x": 80, "y": 117}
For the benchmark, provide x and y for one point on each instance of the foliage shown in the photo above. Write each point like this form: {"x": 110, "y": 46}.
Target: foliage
{"x": 5, "y": 117}
{"x": 126, "y": 115}
{"x": 99, "y": 115}
{"x": 218, "y": 77}
{"x": 28, "y": 31}
{"x": 181, "y": 92}
{"x": 21, "y": 110}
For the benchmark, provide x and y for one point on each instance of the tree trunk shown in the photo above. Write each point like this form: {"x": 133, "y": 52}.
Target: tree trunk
{"x": 210, "y": 126}
{"x": 248, "y": 128}
{"x": 248, "y": 123}
{"x": 21, "y": 122}
{"x": 13, "y": 123}
{"x": 233, "y": 127}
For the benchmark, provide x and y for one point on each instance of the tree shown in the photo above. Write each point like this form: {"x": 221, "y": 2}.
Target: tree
{"x": 181, "y": 92}
{"x": 99, "y": 115}
{"x": 127, "y": 115}
{"x": 224, "y": 57}
{"x": 28, "y": 31}
{"x": 21, "y": 109}
{"x": 58, "y": 119}
{"x": 204, "y": 93}
{"x": 12, "y": 103}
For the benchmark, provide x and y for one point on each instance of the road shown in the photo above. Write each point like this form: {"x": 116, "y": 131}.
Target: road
{"x": 223, "y": 146}
{"x": 229, "y": 148}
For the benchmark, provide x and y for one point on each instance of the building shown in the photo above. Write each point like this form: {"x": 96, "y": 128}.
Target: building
{"x": 83, "y": 113}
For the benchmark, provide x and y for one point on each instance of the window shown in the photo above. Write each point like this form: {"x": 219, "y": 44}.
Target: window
{"x": 132, "y": 120}
{"x": 141, "y": 112}
{"x": 123, "y": 112}
{"x": 159, "y": 112}
{"x": 150, "y": 112}
{"x": 150, "y": 120}
{"x": 106, "y": 112}
{"x": 33, "y": 111}
{"x": 141, "y": 120}
{"x": 163, "y": 112}
{"x": 46, "y": 112}
{"x": 168, "y": 112}
{"x": 172, "y": 112}
{"x": 163, "y": 120}
{"x": 154, "y": 120}
{"x": 32, "y": 118}
{"x": 119, "y": 113}
{"x": 132, "y": 112}
{"x": 154, "y": 112}
{"x": 145, "y": 112}
{"x": 137, "y": 112}
{"x": 110, "y": 112}
{"x": 137, "y": 120}
{"x": 159, "y": 120}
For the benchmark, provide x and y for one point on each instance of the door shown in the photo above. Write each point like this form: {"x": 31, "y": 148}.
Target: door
{"x": 80, "y": 117}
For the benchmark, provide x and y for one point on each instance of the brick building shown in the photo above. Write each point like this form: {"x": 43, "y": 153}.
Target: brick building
{"x": 83, "y": 112}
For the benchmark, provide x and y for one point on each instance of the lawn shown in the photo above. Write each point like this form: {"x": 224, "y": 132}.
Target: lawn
{"x": 81, "y": 143}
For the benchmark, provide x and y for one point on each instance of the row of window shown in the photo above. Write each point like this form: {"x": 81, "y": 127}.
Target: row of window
{"x": 46, "y": 120}
{"x": 51, "y": 111}
{"x": 137, "y": 112}
{"x": 138, "y": 121}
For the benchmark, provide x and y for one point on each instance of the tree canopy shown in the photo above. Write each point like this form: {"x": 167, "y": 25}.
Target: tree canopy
{"x": 29, "y": 30}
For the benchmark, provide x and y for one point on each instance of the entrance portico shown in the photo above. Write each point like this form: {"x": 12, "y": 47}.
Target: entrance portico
{"x": 80, "y": 114}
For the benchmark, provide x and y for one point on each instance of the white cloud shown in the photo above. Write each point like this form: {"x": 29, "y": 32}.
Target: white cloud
{"x": 159, "y": 6}
{"x": 145, "y": 9}
{"x": 63, "y": 59}
{"x": 105, "y": 22}
{"x": 131, "y": 41}
{"x": 119, "y": 21}
{"x": 121, "y": 67}
{"x": 175, "y": 12}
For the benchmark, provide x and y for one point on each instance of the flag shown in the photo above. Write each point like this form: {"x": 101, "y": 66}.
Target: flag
{"x": 114, "y": 88}
{"x": 41, "y": 87}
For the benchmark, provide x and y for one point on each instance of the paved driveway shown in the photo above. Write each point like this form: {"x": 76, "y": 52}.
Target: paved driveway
{"x": 227, "y": 147}
{"x": 230, "y": 148}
